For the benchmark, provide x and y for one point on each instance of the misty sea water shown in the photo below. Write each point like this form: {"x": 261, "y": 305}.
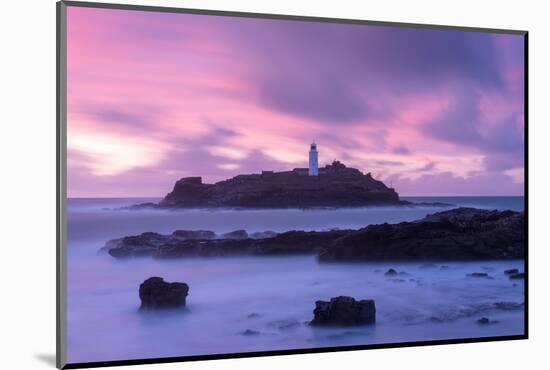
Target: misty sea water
{"x": 271, "y": 297}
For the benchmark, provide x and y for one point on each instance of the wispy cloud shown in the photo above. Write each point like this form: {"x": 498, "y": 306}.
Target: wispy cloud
{"x": 157, "y": 96}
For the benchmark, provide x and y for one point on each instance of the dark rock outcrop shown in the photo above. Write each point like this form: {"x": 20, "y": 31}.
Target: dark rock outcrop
{"x": 170, "y": 246}
{"x": 511, "y": 271}
{"x": 263, "y": 234}
{"x": 194, "y": 234}
{"x": 458, "y": 234}
{"x": 390, "y": 272}
{"x": 336, "y": 186}
{"x": 344, "y": 311}
{"x": 144, "y": 244}
{"x": 237, "y": 234}
{"x": 155, "y": 293}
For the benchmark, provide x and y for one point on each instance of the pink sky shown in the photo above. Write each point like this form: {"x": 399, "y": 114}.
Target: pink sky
{"x": 153, "y": 97}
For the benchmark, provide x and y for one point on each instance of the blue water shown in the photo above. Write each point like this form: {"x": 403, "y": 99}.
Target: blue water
{"x": 429, "y": 303}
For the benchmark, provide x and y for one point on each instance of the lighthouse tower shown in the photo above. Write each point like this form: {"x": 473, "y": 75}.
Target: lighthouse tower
{"x": 313, "y": 160}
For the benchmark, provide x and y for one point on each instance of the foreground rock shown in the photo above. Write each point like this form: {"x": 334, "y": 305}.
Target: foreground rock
{"x": 344, "y": 311}
{"x": 155, "y": 293}
{"x": 458, "y": 234}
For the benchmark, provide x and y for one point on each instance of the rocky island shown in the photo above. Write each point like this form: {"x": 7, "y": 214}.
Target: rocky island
{"x": 458, "y": 234}
{"x": 335, "y": 185}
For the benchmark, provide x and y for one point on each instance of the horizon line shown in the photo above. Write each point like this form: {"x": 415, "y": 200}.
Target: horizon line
{"x": 401, "y": 196}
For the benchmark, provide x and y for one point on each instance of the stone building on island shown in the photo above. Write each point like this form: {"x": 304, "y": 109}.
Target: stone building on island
{"x": 334, "y": 185}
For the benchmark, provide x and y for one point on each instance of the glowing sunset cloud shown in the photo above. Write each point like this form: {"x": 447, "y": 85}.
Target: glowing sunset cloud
{"x": 153, "y": 97}
{"x": 113, "y": 155}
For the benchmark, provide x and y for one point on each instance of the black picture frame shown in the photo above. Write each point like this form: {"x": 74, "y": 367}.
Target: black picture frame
{"x": 61, "y": 186}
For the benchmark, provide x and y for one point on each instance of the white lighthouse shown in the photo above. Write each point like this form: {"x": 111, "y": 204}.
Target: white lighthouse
{"x": 313, "y": 160}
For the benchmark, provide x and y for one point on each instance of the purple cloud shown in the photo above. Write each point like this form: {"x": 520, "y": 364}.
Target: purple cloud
{"x": 463, "y": 124}
{"x": 401, "y": 150}
{"x": 177, "y": 95}
{"x": 428, "y": 167}
{"x": 298, "y": 74}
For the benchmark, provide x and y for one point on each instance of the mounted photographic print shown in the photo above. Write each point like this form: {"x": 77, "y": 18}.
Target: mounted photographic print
{"x": 235, "y": 184}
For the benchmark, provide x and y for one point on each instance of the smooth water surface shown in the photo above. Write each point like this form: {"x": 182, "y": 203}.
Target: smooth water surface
{"x": 271, "y": 297}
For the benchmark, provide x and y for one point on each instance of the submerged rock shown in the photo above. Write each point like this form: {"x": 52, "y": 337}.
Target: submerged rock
{"x": 248, "y": 332}
{"x": 508, "y": 306}
{"x": 155, "y": 293}
{"x": 141, "y": 206}
{"x": 486, "y": 321}
{"x": 455, "y": 313}
{"x": 483, "y": 321}
{"x": 344, "y": 311}
{"x": 511, "y": 271}
{"x": 398, "y": 280}
{"x": 284, "y": 324}
{"x": 517, "y": 276}
{"x": 479, "y": 275}
{"x": 390, "y": 272}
